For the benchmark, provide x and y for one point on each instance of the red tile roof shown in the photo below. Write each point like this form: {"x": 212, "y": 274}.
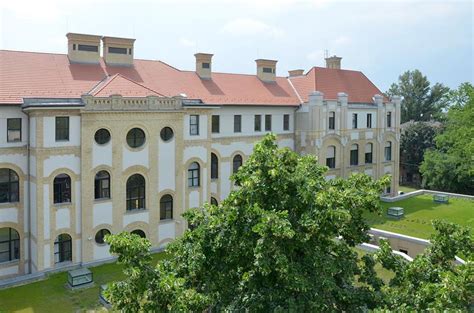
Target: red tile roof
{"x": 332, "y": 81}
{"x": 47, "y": 75}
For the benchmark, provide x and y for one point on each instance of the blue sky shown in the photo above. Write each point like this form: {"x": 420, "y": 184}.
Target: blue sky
{"x": 381, "y": 39}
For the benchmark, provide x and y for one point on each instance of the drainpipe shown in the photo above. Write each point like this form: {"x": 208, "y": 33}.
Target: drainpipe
{"x": 29, "y": 194}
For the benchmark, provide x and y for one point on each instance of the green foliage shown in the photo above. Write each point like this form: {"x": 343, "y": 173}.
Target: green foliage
{"x": 450, "y": 167}
{"x": 432, "y": 282}
{"x": 270, "y": 246}
{"x": 421, "y": 102}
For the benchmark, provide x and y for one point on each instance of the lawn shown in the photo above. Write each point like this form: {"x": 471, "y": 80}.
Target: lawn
{"x": 51, "y": 295}
{"x": 420, "y": 211}
{"x": 406, "y": 189}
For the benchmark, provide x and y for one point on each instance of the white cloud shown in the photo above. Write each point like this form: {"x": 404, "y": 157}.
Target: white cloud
{"x": 187, "y": 42}
{"x": 251, "y": 27}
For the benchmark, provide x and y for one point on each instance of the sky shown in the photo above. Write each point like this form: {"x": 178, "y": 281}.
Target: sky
{"x": 382, "y": 39}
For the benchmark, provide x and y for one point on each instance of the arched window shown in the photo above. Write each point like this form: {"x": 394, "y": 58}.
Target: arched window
{"x": 9, "y": 244}
{"x": 388, "y": 151}
{"x": 166, "y": 207}
{"x": 214, "y": 201}
{"x": 139, "y": 233}
{"x": 331, "y": 157}
{"x": 102, "y": 185}
{"x": 214, "y": 166}
{"x": 99, "y": 237}
{"x": 9, "y": 186}
{"x": 135, "y": 192}
{"x": 63, "y": 248}
{"x": 354, "y": 158}
{"x": 193, "y": 175}
{"x": 236, "y": 163}
{"x": 368, "y": 153}
{"x": 62, "y": 189}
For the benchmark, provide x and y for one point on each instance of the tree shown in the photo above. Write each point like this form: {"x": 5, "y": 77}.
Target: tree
{"x": 415, "y": 139}
{"x": 450, "y": 167}
{"x": 420, "y": 101}
{"x": 282, "y": 241}
{"x": 432, "y": 282}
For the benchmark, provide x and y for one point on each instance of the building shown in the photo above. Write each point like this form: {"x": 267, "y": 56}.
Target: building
{"x": 91, "y": 144}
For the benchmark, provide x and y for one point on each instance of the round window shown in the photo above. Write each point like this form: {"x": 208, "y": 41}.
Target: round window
{"x": 166, "y": 134}
{"x": 139, "y": 232}
{"x": 135, "y": 137}
{"x": 102, "y": 136}
{"x": 99, "y": 237}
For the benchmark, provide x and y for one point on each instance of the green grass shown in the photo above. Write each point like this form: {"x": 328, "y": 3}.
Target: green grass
{"x": 384, "y": 274}
{"x": 420, "y": 211}
{"x": 51, "y": 295}
{"x": 406, "y": 189}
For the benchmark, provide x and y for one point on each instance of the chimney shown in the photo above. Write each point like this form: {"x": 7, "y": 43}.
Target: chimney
{"x": 266, "y": 70}
{"x": 83, "y": 48}
{"x": 294, "y": 73}
{"x": 204, "y": 65}
{"x": 334, "y": 62}
{"x": 118, "y": 51}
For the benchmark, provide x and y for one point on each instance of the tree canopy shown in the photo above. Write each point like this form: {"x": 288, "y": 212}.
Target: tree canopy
{"x": 450, "y": 166}
{"x": 420, "y": 102}
{"x": 282, "y": 240}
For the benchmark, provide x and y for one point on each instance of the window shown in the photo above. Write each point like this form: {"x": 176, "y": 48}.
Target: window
{"x": 63, "y": 248}
{"x": 9, "y": 244}
{"x": 135, "y": 192}
{"x": 166, "y": 207}
{"x": 214, "y": 166}
{"x": 166, "y": 133}
{"x": 89, "y": 48}
{"x": 62, "y": 189}
{"x": 332, "y": 120}
{"x": 130, "y": 51}
{"x": 140, "y": 233}
{"x": 135, "y": 138}
{"x": 368, "y": 153}
{"x": 286, "y": 121}
{"x": 73, "y": 46}
{"x": 237, "y": 123}
{"x": 206, "y": 65}
{"x": 389, "y": 119}
{"x": 354, "y": 120}
{"x": 258, "y": 123}
{"x": 102, "y": 136}
{"x": 403, "y": 251}
{"x": 354, "y": 158}
{"x": 369, "y": 120}
{"x": 194, "y": 125}
{"x": 102, "y": 185}
{"x": 236, "y": 163}
{"x": 268, "y": 70}
{"x": 13, "y": 129}
{"x": 331, "y": 157}
{"x": 99, "y": 237}
{"x": 388, "y": 151}
{"x": 193, "y": 175}
{"x": 215, "y": 123}
{"x": 214, "y": 201}
{"x": 117, "y": 50}
{"x": 9, "y": 186}
{"x": 62, "y": 128}
{"x": 268, "y": 122}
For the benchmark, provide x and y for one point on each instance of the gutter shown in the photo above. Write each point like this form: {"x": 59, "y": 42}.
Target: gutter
{"x": 29, "y": 193}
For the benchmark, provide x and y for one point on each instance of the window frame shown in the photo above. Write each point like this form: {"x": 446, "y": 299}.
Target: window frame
{"x": 64, "y": 246}
{"x": 369, "y": 120}
{"x": 388, "y": 151}
{"x": 389, "y": 119}
{"x": 62, "y": 132}
{"x": 237, "y": 162}
{"x": 13, "y": 129}
{"x": 194, "y": 125}
{"x": 237, "y": 123}
{"x": 331, "y": 161}
{"x": 136, "y": 194}
{"x": 12, "y": 245}
{"x": 166, "y": 207}
{"x": 268, "y": 122}
{"x": 101, "y": 233}
{"x": 62, "y": 189}
{"x": 215, "y": 124}
{"x": 100, "y": 135}
{"x": 101, "y": 192}
{"x": 11, "y": 186}
{"x": 286, "y": 122}
{"x": 354, "y": 120}
{"x": 369, "y": 155}
{"x": 354, "y": 155}
{"x": 214, "y": 166}
{"x": 194, "y": 175}
{"x": 166, "y": 134}
{"x": 257, "y": 123}
{"x": 332, "y": 120}
{"x": 133, "y": 140}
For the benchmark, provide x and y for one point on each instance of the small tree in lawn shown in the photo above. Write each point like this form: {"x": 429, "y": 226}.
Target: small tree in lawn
{"x": 281, "y": 241}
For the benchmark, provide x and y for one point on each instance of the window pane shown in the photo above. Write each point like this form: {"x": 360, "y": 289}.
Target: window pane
{"x": 215, "y": 123}
{"x": 62, "y": 128}
{"x": 258, "y": 123}
{"x": 268, "y": 122}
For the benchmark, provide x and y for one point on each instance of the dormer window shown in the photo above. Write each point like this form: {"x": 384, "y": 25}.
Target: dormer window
{"x": 268, "y": 70}
{"x": 117, "y": 50}
{"x": 206, "y": 65}
{"x": 89, "y": 48}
